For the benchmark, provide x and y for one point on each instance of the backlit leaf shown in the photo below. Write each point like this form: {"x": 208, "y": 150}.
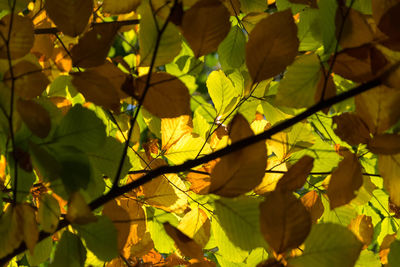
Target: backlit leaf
{"x": 93, "y": 47}
{"x": 296, "y": 176}
{"x": 362, "y": 227}
{"x": 78, "y": 211}
{"x": 21, "y": 37}
{"x": 272, "y": 46}
{"x": 284, "y": 221}
{"x": 329, "y": 245}
{"x": 393, "y": 257}
{"x": 120, "y": 7}
{"x": 351, "y": 128}
{"x": 240, "y": 171}
{"x": 298, "y": 86}
{"x": 248, "y": 6}
{"x": 385, "y": 144}
{"x": 196, "y": 225}
{"x": 345, "y": 180}
{"x": 35, "y": 117}
{"x": 10, "y": 231}
{"x": 48, "y": 213}
{"x": 70, "y": 251}
{"x": 28, "y": 225}
{"x": 166, "y": 97}
{"x": 71, "y": 17}
{"x": 205, "y": 25}
{"x": 389, "y": 168}
{"x": 231, "y": 49}
{"x": 313, "y": 204}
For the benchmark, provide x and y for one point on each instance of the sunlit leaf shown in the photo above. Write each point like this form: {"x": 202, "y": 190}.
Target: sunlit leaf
{"x": 362, "y": 227}
{"x": 385, "y": 144}
{"x": 284, "y": 221}
{"x": 21, "y": 36}
{"x": 41, "y": 252}
{"x": 205, "y": 25}
{"x": 78, "y": 211}
{"x": 389, "y": 168}
{"x": 241, "y": 171}
{"x": 351, "y": 128}
{"x": 345, "y": 180}
{"x": 196, "y": 225}
{"x": 272, "y": 46}
{"x": 312, "y": 202}
{"x": 296, "y": 176}
{"x": 231, "y": 49}
{"x": 71, "y": 17}
{"x": 329, "y": 245}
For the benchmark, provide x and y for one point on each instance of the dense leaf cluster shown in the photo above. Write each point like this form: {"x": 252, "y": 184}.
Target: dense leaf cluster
{"x": 199, "y": 132}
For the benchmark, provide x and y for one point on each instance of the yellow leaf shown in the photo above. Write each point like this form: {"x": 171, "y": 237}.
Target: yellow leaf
{"x": 92, "y": 49}
{"x": 28, "y": 225}
{"x": 200, "y": 183}
{"x": 362, "y": 227}
{"x": 272, "y": 46}
{"x": 78, "y": 211}
{"x": 205, "y": 25}
{"x": 196, "y": 225}
{"x": 120, "y": 6}
{"x": 35, "y": 116}
{"x": 97, "y": 89}
{"x": 167, "y": 96}
{"x": 21, "y": 38}
{"x": 389, "y": 168}
{"x": 185, "y": 244}
{"x": 313, "y": 204}
{"x": 385, "y": 144}
{"x": 297, "y": 175}
{"x": 351, "y": 128}
{"x": 240, "y": 171}
{"x": 345, "y": 180}
{"x": 30, "y": 80}
{"x": 173, "y": 129}
{"x": 284, "y": 221}
{"x": 271, "y": 179}
{"x": 71, "y": 17}
{"x": 378, "y": 108}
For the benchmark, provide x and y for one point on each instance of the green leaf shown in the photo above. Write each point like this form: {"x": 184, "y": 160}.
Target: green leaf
{"x": 232, "y": 49}
{"x": 170, "y": 43}
{"x": 80, "y": 128}
{"x": 41, "y": 253}
{"x": 49, "y": 213}
{"x": 240, "y": 219}
{"x": 309, "y": 31}
{"x": 100, "y": 238}
{"x": 368, "y": 258}
{"x": 298, "y": 86}
{"x": 248, "y": 6}
{"x": 394, "y": 254}
{"x": 327, "y": 16}
{"x": 329, "y": 245}
{"x": 70, "y": 251}
{"x": 222, "y": 93}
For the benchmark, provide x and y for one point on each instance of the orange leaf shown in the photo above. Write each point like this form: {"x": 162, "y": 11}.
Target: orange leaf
{"x": 35, "y": 117}
{"x": 362, "y": 227}
{"x": 97, "y": 89}
{"x": 297, "y": 175}
{"x": 21, "y": 38}
{"x": 30, "y": 81}
{"x": 205, "y": 25}
{"x": 93, "y": 47}
{"x": 240, "y": 171}
{"x": 313, "y": 204}
{"x": 351, "y": 128}
{"x": 284, "y": 221}
{"x": 385, "y": 144}
{"x": 71, "y": 17}
{"x": 186, "y": 245}
{"x": 385, "y": 247}
{"x": 345, "y": 180}
{"x": 167, "y": 96}
{"x": 272, "y": 46}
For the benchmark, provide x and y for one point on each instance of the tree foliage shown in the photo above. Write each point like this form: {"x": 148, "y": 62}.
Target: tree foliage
{"x": 202, "y": 132}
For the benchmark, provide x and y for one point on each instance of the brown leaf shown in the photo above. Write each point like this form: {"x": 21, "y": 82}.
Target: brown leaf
{"x": 362, "y": 227}
{"x": 30, "y": 81}
{"x": 21, "y": 38}
{"x": 313, "y": 204}
{"x": 311, "y": 3}
{"x": 44, "y": 43}
{"x": 285, "y": 223}
{"x": 97, "y": 89}
{"x": 351, "y": 128}
{"x": 93, "y": 47}
{"x": 378, "y": 108}
{"x": 62, "y": 59}
{"x": 272, "y": 46}
{"x": 233, "y": 6}
{"x": 205, "y": 25}
{"x": 385, "y": 144}
{"x": 297, "y": 175}
{"x": 385, "y": 247}
{"x": 167, "y": 96}
{"x": 28, "y": 225}
{"x": 356, "y": 30}
{"x": 345, "y": 180}
{"x": 187, "y": 246}
{"x": 35, "y": 116}
{"x": 71, "y": 17}
{"x": 120, "y": 6}
{"x": 329, "y": 91}
{"x": 240, "y": 171}
{"x": 389, "y": 19}
{"x": 200, "y": 183}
